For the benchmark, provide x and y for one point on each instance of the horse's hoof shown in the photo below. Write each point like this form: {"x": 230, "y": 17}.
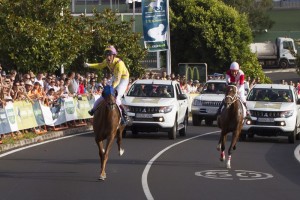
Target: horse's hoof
{"x": 121, "y": 152}
{"x": 228, "y": 165}
{"x": 102, "y": 177}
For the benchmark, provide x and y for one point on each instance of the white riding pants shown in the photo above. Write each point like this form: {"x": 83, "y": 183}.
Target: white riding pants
{"x": 241, "y": 92}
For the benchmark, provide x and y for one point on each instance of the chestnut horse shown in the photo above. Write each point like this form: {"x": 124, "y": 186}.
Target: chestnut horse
{"x": 230, "y": 120}
{"x": 107, "y": 125}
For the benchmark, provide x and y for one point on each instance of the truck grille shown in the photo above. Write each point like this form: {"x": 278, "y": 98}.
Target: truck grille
{"x": 264, "y": 114}
{"x": 211, "y": 103}
{"x": 138, "y": 109}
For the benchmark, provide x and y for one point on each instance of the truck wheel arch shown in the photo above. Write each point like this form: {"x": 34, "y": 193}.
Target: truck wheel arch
{"x": 283, "y": 63}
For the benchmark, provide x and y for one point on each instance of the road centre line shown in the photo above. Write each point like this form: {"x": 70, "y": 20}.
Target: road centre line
{"x": 149, "y": 164}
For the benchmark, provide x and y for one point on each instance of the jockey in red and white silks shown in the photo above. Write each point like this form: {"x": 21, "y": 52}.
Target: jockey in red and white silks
{"x": 236, "y": 75}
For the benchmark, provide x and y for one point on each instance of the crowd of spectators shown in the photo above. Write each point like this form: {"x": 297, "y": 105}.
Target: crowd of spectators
{"x": 48, "y": 88}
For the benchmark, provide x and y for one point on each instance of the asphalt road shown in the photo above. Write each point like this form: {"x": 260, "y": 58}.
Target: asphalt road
{"x": 153, "y": 167}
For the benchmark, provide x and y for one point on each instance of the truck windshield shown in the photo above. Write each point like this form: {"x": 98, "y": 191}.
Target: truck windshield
{"x": 270, "y": 95}
{"x": 150, "y": 90}
{"x": 214, "y": 88}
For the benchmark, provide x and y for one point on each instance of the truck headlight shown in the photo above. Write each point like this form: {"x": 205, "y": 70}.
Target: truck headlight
{"x": 287, "y": 114}
{"x": 196, "y": 102}
{"x": 166, "y": 109}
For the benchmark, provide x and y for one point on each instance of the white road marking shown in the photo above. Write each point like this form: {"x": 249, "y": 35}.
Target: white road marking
{"x": 297, "y": 153}
{"x": 242, "y": 175}
{"x": 40, "y": 143}
{"x": 149, "y": 164}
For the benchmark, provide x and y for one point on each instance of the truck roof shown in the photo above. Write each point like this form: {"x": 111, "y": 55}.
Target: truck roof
{"x": 155, "y": 81}
{"x": 274, "y": 86}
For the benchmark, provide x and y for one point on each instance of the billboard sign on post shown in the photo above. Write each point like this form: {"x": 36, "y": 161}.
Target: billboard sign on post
{"x": 194, "y": 71}
{"x": 155, "y": 24}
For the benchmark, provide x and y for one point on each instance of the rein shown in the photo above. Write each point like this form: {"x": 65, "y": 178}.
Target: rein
{"x": 110, "y": 104}
{"x": 234, "y": 98}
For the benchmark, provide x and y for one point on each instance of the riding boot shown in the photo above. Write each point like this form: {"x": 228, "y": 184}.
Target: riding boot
{"x": 125, "y": 119}
{"x": 91, "y": 112}
{"x": 220, "y": 108}
{"x": 247, "y": 111}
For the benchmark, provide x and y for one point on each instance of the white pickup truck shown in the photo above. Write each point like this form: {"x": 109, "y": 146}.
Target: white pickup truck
{"x": 274, "y": 111}
{"x": 206, "y": 105}
{"x": 157, "y": 106}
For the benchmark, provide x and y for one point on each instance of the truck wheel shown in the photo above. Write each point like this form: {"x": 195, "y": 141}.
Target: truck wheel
{"x": 298, "y": 136}
{"x": 283, "y": 64}
{"x": 134, "y": 132}
{"x": 292, "y": 136}
{"x": 209, "y": 122}
{"x": 173, "y": 131}
{"x": 196, "y": 120}
{"x": 182, "y": 132}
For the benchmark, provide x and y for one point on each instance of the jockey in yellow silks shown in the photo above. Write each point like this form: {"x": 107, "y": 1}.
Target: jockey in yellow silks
{"x": 120, "y": 78}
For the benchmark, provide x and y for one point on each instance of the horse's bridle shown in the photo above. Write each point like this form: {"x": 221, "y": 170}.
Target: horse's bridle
{"x": 110, "y": 105}
{"x": 233, "y": 98}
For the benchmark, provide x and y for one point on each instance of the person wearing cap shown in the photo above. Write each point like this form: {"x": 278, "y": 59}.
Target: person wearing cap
{"x": 120, "y": 77}
{"x": 236, "y": 77}
{"x": 28, "y": 86}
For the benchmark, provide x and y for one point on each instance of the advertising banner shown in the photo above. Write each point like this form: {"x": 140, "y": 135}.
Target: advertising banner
{"x": 38, "y": 113}
{"x": 69, "y": 106}
{"x": 82, "y": 108}
{"x": 47, "y": 115}
{"x": 25, "y": 115}
{"x": 155, "y": 24}
{"x": 21, "y": 115}
{"x": 194, "y": 71}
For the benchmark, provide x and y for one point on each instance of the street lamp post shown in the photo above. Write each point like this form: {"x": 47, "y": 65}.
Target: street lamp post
{"x": 133, "y": 15}
{"x": 84, "y": 7}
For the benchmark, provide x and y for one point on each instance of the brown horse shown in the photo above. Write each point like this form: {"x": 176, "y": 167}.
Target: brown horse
{"x": 230, "y": 120}
{"x": 107, "y": 125}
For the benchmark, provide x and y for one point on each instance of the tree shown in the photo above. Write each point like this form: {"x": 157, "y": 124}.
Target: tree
{"x": 36, "y": 36}
{"x": 42, "y": 35}
{"x": 209, "y": 31}
{"x": 256, "y": 12}
{"x": 105, "y": 29}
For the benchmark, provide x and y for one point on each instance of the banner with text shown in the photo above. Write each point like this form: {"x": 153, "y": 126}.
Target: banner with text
{"x": 21, "y": 115}
{"x": 155, "y": 24}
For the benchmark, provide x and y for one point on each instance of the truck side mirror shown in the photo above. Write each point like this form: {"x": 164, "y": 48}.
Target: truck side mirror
{"x": 182, "y": 97}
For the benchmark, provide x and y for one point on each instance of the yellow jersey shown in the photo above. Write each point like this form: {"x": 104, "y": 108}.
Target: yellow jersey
{"x": 117, "y": 67}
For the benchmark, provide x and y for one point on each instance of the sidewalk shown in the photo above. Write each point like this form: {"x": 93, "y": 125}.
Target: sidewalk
{"x": 47, "y": 136}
